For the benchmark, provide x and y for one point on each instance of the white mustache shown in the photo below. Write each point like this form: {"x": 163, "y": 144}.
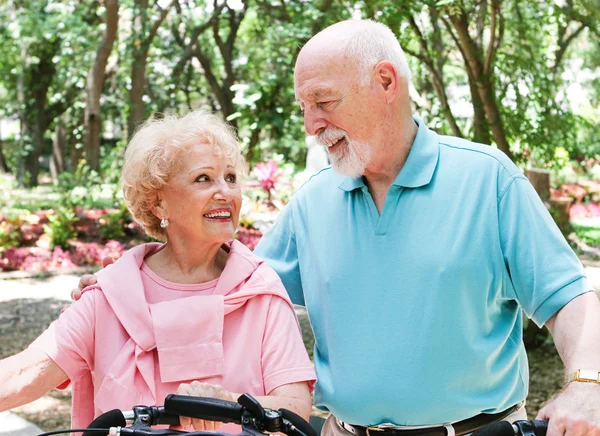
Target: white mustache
{"x": 329, "y": 135}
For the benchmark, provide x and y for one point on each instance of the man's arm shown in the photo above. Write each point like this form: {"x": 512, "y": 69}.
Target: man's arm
{"x": 27, "y": 376}
{"x": 576, "y": 331}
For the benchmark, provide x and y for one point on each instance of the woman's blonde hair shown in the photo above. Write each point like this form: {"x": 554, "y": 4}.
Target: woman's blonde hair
{"x": 153, "y": 154}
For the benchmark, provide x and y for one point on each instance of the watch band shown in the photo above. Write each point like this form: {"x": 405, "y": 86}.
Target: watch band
{"x": 584, "y": 375}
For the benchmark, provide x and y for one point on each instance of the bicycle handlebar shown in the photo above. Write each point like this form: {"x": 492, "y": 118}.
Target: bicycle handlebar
{"x": 254, "y": 419}
{"x": 211, "y": 409}
{"x": 518, "y": 428}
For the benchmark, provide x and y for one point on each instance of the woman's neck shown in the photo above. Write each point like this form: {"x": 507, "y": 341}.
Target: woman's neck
{"x": 182, "y": 264}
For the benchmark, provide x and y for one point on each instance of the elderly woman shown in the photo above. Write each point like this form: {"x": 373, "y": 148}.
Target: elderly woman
{"x": 198, "y": 314}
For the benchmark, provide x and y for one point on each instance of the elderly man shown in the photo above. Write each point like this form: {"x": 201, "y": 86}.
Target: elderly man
{"x": 414, "y": 257}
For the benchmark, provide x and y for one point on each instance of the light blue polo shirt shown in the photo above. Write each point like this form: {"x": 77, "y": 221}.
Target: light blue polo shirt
{"x": 417, "y": 311}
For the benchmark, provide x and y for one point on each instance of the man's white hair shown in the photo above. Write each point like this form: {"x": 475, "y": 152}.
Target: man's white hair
{"x": 371, "y": 43}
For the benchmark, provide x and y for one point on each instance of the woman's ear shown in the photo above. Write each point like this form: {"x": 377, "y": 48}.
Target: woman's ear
{"x": 160, "y": 208}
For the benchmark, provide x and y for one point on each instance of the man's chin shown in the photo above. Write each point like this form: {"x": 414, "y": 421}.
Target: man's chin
{"x": 344, "y": 170}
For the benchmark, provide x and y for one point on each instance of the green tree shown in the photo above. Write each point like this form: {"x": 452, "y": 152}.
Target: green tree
{"x": 95, "y": 81}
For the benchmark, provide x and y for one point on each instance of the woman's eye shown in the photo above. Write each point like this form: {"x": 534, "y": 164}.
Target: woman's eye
{"x": 202, "y": 178}
{"x": 231, "y": 178}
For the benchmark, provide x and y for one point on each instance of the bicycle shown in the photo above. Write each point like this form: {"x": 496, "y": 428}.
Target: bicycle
{"x": 254, "y": 419}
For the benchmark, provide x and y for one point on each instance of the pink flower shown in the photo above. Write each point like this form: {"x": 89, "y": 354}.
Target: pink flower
{"x": 61, "y": 259}
{"x": 268, "y": 174}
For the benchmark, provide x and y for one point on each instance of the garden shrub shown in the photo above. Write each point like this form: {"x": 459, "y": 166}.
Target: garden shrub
{"x": 61, "y": 227}
{"x": 10, "y": 235}
{"x": 112, "y": 226}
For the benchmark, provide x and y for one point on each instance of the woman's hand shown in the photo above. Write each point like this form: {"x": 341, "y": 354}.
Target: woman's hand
{"x": 198, "y": 389}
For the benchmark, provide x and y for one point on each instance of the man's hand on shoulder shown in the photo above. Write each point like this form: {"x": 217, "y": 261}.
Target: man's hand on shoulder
{"x": 575, "y": 411}
{"x": 88, "y": 280}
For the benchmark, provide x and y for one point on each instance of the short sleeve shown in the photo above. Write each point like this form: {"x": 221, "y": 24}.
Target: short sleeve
{"x": 284, "y": 357}
{"x": 69, "y": 341}
{"x": 545, "y": 272}
{"x": 278, "y": 248}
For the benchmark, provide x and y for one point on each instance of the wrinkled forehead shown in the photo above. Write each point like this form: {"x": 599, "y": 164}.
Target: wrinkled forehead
{"x": 203, "y": 153}
{"x": 319, "y": 74}
{"x": 317, "y": 90}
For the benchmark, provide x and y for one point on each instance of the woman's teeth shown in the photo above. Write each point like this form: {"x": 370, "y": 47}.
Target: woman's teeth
{"x": 218, "y": 215}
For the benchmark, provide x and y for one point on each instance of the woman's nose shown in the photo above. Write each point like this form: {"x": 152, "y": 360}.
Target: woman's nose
{"x": 223, "y": 191}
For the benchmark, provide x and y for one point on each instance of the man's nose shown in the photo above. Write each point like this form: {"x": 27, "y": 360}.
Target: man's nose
{"x": 313, "y": 122}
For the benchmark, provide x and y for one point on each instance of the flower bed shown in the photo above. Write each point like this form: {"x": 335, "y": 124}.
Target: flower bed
{"x": 25, "y": 245}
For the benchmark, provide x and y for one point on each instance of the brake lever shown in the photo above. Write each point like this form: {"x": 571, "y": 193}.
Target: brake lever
{"x": 251, "y": 405}
{"x": 145, "y": 418}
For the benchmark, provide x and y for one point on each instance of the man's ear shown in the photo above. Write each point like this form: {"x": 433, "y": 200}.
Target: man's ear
{"x": 387, "y": 77}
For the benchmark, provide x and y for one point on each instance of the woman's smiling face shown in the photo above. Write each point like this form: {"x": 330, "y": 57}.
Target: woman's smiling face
{"x": 202, "y": 198}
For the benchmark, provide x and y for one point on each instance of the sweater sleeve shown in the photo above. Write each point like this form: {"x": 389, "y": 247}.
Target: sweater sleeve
{"x": 69, "y": 341}
{"x": 284, "y": 357}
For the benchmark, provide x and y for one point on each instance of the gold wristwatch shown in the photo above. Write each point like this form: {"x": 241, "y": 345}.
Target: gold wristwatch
{"x": 584, "y": 375}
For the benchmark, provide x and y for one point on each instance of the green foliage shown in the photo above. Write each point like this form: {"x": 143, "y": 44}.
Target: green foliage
{"x": 61, "y": 227}
{"x": 112, "y": 226}
{"x": 82, "y": 188}
{"x": 10, "y": 236}
{"x": 587, "y": 234}
{"x": 239, "y": 60}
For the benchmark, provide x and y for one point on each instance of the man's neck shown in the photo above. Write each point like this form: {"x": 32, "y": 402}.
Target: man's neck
{"x": 387, "y": 162}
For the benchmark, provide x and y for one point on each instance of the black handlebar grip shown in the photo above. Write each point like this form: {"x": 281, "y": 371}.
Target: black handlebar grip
{"x": 500, "y": 428}
{"x": 112, "y": 418}
{"x": 531, "y": 428}
{"x": 164, "y": 418}
{"x": 211, "y": 409}
{"x": 298, "y": 422}
{"x": 540, "y": 427}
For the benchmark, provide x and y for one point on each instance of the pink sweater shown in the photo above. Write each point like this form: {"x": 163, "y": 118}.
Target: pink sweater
{"x": 120, "y": 350}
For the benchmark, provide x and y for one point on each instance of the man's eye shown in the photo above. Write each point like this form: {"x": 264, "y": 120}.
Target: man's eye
{"x": 324, "y": 103}
{"x": 202, "y": 178}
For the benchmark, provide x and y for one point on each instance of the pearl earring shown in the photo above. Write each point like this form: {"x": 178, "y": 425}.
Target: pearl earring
{"x": 164, "y": 223}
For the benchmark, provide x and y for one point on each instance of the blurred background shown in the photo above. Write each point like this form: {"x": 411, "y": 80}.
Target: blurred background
{"x": 78, "y": 76}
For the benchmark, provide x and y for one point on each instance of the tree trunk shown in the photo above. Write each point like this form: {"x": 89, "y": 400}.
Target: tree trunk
{"x": 252, "y": 145}
{"x": 59, "y": 150}
{"x": 35, "y": 116}
{"x": 95, "y": 80}
{"x": 3, "y": 165}
{"x": 540, "y": 180}
{"x": 36, "y": 124}
{"x": 434, "y": 66}
{"x": 136, "y": 94}
{"x": 31, "y": 170}
{"x": 483, "y": 81}
{"x": 140, "y": 59}
{"x": 22, "y": 122}
{"x": 481, "y": 129}
{"x": 440, "y": 89}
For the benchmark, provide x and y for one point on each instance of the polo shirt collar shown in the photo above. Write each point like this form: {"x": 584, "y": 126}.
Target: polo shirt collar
{"x": 419, "y": 167}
